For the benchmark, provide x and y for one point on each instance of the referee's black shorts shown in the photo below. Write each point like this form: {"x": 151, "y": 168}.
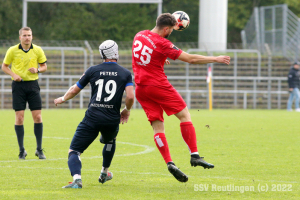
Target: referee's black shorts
{"x": 87, "y": 132}
{"x": 26, "y": 91}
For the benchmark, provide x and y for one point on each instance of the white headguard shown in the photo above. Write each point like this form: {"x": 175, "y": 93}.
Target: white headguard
{"x": 109, "y": 50}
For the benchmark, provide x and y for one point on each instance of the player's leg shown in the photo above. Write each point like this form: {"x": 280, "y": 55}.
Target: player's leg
{"x": 108, "y": 154}
{"x": 189, "y": 136}
{"x": 19, "y": 105}
{"x": 74, "y": 164}
{"x": 35, "y": 104}
{"x": 161, "y": 140}
{"x": 174, "y": 104}
{"x": 187, "y": 130}
{"x": 162, "y": 145}
{"x": 297, "y": 97}
{"x": 85, "y": 134}
{"x": 108, "y": 137}
{"x": 290, "y": 101}
{"x": 150, "y": 97}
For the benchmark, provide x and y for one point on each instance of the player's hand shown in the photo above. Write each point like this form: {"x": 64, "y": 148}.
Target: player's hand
{"x": 124, "y": 116}
{"x": 17, "y": 78}
{"x": 167, "y": 62}
{"x": 223, "y": 59}
{"x": 33, "y": 70}
{"x": 58, "y": 101}
{"x": 291, "y": 89}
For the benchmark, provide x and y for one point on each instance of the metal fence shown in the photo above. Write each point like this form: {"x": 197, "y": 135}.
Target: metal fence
{"x": 276, "y": 26}
{"x": 254, "y": 91}
{"x": 246, "y": 83}
{"x": 62, "y": 52}
{"x": 50, "y": 92}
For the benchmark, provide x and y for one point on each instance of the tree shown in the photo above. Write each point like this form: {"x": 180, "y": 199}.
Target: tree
{"x": 10, "y": 19}
{"x": 120, "y": 22}
{"x": 240, "y": 11}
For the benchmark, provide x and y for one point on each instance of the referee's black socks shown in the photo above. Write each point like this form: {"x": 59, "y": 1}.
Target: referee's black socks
{"x": 38, "y": 131}
{"x": 20, "y": 136}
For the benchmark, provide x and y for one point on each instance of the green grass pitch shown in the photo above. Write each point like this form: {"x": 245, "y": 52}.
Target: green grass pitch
{"x": 255, "y": 150}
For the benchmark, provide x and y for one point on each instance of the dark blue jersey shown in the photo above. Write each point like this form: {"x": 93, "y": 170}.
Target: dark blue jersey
{"x": 293, "y": 78}
{"x": 108, "y": 81}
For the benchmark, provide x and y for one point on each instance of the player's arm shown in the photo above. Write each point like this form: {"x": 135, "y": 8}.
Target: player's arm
{"x": 7, "y": 71}
{"x": 128, "y": 104}
{"x": 75, "y": 89}
{"x": 129, "y": 97}
{"x": 199, "y": 59}
{"x": 290, "y": 81}
{"x": 72, "y": 92}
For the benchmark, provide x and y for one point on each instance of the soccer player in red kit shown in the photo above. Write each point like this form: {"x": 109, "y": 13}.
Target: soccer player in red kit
{"x": 150, "y": 51}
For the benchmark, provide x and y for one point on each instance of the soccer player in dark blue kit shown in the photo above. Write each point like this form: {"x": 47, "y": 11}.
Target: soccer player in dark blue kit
{"x": 108, "y": 82}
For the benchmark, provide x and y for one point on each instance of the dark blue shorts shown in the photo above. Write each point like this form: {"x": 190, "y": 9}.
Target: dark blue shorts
{"x": 87, "y": 132}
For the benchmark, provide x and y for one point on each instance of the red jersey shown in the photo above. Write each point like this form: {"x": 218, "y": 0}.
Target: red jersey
{"x": 149, "y": 52}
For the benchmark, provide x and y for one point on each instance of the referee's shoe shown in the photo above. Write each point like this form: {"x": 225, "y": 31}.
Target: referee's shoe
{"x": 39, "y": 153}
{"x": 22, "y": 155}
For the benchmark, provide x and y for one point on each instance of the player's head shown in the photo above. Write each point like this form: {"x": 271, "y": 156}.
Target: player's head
{"x": 25, "y": 35}
{"x": 297, "y": 65}
{"x": 166, "y": 22}
{"x": 109, "y": 50}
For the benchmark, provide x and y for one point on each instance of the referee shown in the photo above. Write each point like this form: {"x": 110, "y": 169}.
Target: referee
{"x": 24, "y": 58}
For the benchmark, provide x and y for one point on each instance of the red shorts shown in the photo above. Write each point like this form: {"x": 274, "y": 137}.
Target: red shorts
{"x": 156, "y": 99}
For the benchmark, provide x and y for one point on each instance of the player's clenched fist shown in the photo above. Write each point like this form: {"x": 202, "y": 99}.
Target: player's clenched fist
{"x": 223, "y": 59}
{"x": 58, "y": 101}
{"x": 124, "y": 116}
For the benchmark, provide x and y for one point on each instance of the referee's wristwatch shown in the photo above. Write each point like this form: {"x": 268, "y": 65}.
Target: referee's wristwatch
{"x": 38, "y": 70}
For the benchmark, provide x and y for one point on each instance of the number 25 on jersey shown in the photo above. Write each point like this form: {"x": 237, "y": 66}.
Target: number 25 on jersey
{"x": 145, "y": 54}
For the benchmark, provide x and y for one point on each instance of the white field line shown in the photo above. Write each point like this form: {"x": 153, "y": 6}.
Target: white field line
{"x": 154, "y": 173}
{"x": 148, "y": 149}
{"x": 59, "y": 138}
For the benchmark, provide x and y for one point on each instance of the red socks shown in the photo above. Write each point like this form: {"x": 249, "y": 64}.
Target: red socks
{"x": 162, "y": 145}
{"x": 189, "y": 136}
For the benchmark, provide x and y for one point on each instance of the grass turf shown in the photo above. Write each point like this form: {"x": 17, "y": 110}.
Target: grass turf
{"x": 251, "y": 149}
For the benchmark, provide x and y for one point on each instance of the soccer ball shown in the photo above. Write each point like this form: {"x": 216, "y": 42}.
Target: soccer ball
{"x": 183, "y": 20}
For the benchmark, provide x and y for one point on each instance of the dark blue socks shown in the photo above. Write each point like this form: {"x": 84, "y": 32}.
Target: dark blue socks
{"x": 108, "y": 153}
{"x": 74, "y": 163}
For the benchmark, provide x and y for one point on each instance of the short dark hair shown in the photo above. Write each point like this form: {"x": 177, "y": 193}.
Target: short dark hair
{"x": 165, "y": 19}
{"x": 26, "y": 28}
